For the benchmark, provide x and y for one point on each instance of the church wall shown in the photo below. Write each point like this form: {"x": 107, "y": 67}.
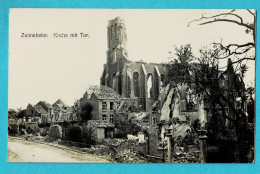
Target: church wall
{"x": 125, "y": 85}
{"x": 136, "y": 84}
{"x": 143, "y": 84}
{"x": 150, "y": 69}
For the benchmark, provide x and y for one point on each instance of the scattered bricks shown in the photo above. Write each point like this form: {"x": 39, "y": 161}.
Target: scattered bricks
{"x": 193, "y": 148}
{"x": 183, "y": 155}
{"x": 129, "y": 156}
{"x": 38, "y": 138}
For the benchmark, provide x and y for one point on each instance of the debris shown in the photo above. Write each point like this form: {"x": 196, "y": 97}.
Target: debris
{"x": 132, "y": 137}
{"x": 55, "y": 131}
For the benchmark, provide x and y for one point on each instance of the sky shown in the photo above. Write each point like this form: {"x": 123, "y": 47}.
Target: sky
{"x": 48, "y": 69}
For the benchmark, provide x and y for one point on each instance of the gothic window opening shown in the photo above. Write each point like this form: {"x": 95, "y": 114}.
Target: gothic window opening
{"x": 163, "y": 80}
{"x": 115, "y": 29}
{"x": 111, "y": 32}
{"x": 104, "y": 117}
{"x": 150, "y": 85}
{"x": 114, "y": 82}
{"x": 136, "y": 84}
{"x": 128, "y": 86}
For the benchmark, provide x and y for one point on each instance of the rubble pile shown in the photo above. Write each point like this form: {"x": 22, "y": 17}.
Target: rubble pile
{"x": 38, "y": 137}
{"x": 48, "y": 138}
{"x": 129, "y": 156}
{"x": 115, "y": 141}
{"x": 103, "y": 151}
{"x": 43, "y": 131}
{"x": 33, "y": 137}
{"x": 27, "y": 136}
{"x": 183, "y": 155}
{"x": 124, "y": 151}
{"x": 55, "y": 131}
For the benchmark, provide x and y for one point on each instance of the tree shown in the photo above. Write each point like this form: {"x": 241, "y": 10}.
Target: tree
{"x": 242, "y": 52}
{"x": 21, "y": 113}
{"x": 220, "y": 97}
{"x": 219, "y": 90}
{"x": 177, "y": 69}
{"x": 83, "y": 110}
{"x": 12, "y": 113}
{"x": 86, "y": 111}
{"x": 183, "y": 55}
{"x": 226, "y": 96}
{"x": 250, "y": 104}
{"x": 76, "y": 108}
{"x": 125, "y": 126}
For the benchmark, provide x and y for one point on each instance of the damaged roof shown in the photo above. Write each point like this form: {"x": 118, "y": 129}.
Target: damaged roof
{"x": 46, "y": 104}
{"x": 104, "y": 92}
{"x": 40, "y": 109}
{"x": 60, "y": 105}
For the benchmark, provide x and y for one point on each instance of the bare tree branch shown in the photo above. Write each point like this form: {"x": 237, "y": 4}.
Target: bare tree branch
{"x": 219, "y": 15}
{"x": 229, "y": 20}
{"x": 245, "y": 58}
{"x": 223, "y": 18}
{"x": 252, "y": 13}
{"x": 239, "y": 50}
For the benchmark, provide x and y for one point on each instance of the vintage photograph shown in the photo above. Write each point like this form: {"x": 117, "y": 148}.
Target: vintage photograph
{"x": 131, "y": 85}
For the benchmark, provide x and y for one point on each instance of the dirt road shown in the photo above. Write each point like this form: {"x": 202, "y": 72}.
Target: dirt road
{"x": 24, "y": 151}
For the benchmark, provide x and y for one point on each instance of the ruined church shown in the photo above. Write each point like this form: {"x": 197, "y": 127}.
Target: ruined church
{"x": 130, "y": 79}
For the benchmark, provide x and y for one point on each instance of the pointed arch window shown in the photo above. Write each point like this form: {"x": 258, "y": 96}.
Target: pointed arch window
{"x": 150, "y": 85}
{"x": 163, "y": 80}
{"x": 136, "y": 84}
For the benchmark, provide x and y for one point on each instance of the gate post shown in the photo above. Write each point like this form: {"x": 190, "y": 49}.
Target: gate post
{"x": 203, "y": 146}
{"x": 169, "y": 144}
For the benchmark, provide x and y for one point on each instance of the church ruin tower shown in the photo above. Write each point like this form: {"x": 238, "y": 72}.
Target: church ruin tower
{"x": 116, "y": 55}
{"x": 116, "y": 36}
{"x": 130, "y": 79}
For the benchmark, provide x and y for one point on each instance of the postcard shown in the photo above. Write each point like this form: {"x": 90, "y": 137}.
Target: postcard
{"x": 131, "y": 85}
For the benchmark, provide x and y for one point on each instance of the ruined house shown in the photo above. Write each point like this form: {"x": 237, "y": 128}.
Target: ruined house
{"x": 179, "y": 107}
{"x": 105, "y": 102}
{"x": 234, "y": 90}
{"x": 42, "y": 111}
{"x": 62, "y": 112}
{"x": 101, "y": 129}
{"x": 45, "y": 112}
{"x": 139, "y": 79}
